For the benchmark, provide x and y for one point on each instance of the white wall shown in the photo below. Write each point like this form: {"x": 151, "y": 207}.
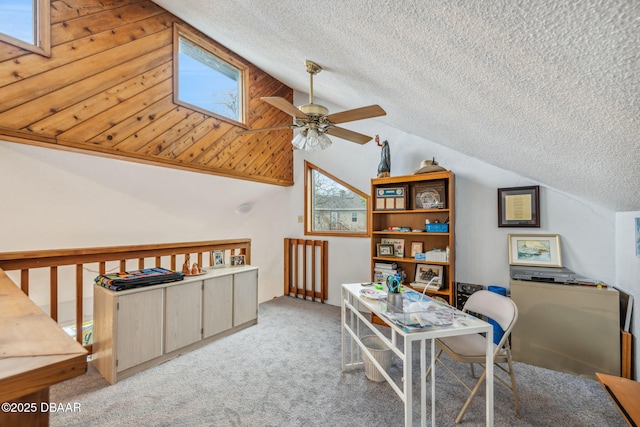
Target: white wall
{"x": 628, "y": 269}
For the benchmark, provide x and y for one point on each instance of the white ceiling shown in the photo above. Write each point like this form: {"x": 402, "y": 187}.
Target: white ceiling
{"x": 549, "y": 89}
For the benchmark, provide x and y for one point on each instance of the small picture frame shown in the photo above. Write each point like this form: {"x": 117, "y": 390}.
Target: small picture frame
{"x": 425, "y": 273}
{"x": 237, "y": 260}
{"x": 416, "y": 248}
{"x": 519, "y": 207}
{"x": 540, "y": 250}
{"x": 385, "y": 249}
{"x": 217, "y": 259}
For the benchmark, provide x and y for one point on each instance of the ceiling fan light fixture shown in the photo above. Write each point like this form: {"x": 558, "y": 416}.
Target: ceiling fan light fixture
{"x": 299, "y": 141}
{"x": 325, "y": 142}
{"x": 311, "y": 140}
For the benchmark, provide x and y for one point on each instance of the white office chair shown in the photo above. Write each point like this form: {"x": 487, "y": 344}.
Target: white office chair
{"x": 471, "y": 348}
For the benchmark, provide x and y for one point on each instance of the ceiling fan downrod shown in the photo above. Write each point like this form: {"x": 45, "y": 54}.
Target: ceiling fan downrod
{"x": 311, "y": 108}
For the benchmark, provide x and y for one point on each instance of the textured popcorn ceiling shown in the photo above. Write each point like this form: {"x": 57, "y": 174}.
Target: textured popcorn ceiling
{"x": 549, "y": 89}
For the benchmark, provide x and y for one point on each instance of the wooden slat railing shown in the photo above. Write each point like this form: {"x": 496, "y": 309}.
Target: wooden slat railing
{"x": 306, "y": 268}
{"x": 79, "y": 257}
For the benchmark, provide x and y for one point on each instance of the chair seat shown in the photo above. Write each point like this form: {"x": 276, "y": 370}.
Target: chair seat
{"x": 470, "y": 347}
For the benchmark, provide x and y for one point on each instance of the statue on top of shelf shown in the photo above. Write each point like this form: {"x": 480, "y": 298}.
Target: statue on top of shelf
{"x": 384, "y": 168}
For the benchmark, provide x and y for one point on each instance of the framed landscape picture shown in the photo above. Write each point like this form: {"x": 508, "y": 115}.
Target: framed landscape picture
{"x": 541, "y": 250}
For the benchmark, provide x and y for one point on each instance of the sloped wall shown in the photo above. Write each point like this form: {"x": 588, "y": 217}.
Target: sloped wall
{"x": 107, "y": 89}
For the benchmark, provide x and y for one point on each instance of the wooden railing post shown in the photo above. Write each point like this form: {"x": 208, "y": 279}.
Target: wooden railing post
{"x": 316, "y": 286}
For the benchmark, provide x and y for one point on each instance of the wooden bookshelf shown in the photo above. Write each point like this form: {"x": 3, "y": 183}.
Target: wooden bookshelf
{"x": 413, "y": 201}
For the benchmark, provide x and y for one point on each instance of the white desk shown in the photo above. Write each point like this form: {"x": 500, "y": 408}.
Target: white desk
{"x": 353, "y": 319}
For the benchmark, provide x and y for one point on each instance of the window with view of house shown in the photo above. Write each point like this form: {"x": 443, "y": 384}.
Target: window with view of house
{"x": 333, "y": 207}
{"x": 26, "y": 24}
{"x": 207, "y": 79}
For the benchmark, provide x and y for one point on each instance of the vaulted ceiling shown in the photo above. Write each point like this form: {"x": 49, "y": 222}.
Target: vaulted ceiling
{"x": 549, "y": 89}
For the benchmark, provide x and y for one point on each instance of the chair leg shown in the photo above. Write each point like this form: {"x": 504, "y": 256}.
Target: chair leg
{"x": 436, "y": 360}
{"x": 513, "y": 385}
{"x": 471, "y": 395}
{"x": 473, "y": 373}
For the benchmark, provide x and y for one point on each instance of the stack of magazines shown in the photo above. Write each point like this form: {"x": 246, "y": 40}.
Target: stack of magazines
{"x": 381, "y": 270}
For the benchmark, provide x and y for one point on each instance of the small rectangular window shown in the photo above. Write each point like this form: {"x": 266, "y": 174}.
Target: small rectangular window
{"x": 207, "y": 79}
{"x": 26, "y": 24}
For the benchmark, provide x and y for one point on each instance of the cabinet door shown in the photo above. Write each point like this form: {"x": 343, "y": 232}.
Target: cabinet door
{"x": 139, "y": 328}
{"x": 183, "y": 315}
{"x": 245, "y": 297}
{"x": 217, "y": 309}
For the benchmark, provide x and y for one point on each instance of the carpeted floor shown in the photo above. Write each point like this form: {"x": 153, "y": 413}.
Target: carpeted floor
{"x": 286, "y": 371}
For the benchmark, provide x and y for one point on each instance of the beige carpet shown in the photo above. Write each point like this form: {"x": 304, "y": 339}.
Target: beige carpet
{"x": 286, "y": 371}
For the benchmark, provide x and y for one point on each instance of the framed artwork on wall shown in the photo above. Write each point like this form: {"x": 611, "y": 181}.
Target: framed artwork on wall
{"x": 519, "y": 207}
{"x": 638, "y": 237}
{"x": 541, "y": 250}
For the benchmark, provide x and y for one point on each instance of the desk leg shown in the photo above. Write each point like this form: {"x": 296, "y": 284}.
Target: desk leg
{"x": 423, "y": 384}
{"x": 408, "y": 383}
{"x": 489, "y": 378}
{"x": 343, "y": 320}
{"x": 433, "y": 381}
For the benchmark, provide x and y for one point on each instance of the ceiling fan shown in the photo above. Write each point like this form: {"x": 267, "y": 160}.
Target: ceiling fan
{"x": 315, "y": 121}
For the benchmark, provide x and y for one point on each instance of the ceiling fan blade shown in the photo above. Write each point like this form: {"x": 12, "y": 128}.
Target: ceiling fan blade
{"x": 349, "y": 135}
{"x": 267, "y": 129}
{"x": 285, "y": 106}
{"x": 356, "y": 114}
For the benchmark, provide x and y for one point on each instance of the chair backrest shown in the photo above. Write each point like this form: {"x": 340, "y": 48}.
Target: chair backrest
{"x": 498, "y": 307}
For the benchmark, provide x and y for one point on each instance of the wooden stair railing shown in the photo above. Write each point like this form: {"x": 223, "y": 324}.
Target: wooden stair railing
{"x": 79, "y": 257}
{"x": 306, "y": 259}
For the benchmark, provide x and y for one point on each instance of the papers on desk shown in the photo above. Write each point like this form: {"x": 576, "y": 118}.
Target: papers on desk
{"x": 418, "y": 311}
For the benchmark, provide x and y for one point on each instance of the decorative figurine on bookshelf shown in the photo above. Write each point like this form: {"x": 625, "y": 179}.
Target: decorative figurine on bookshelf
{"x": 384, "y": 168}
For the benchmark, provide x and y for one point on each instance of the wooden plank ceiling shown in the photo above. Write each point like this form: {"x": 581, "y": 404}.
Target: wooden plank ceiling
{"x": 108, "y": 89}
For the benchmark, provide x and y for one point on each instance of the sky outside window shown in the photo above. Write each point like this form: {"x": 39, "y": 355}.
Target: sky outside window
{"x": 17, "y": 19}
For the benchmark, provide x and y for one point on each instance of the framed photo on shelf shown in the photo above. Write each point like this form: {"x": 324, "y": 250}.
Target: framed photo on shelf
{"x": 426, "y": 274}
{"x": 384, "y": 249}
{"x": 429, "y": 195}
{"x": 398, "y": 246}
{"x": 217, "y": 259}
{"x": 519, "y": 207}
{"x": 237, "y": 260}
{"x": 416, "y": 248}
{"x": 540, "y": 250}
{"x": 391, "y": 198}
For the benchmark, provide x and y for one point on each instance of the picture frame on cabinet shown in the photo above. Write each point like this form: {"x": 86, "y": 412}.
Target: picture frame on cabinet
{"x": 237, "y": 260}
{"x": 540, "y": 250}
{"x": 217, "y": 259}
{"x": 384, "y": 249}
{"x": 519, "y": 206}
